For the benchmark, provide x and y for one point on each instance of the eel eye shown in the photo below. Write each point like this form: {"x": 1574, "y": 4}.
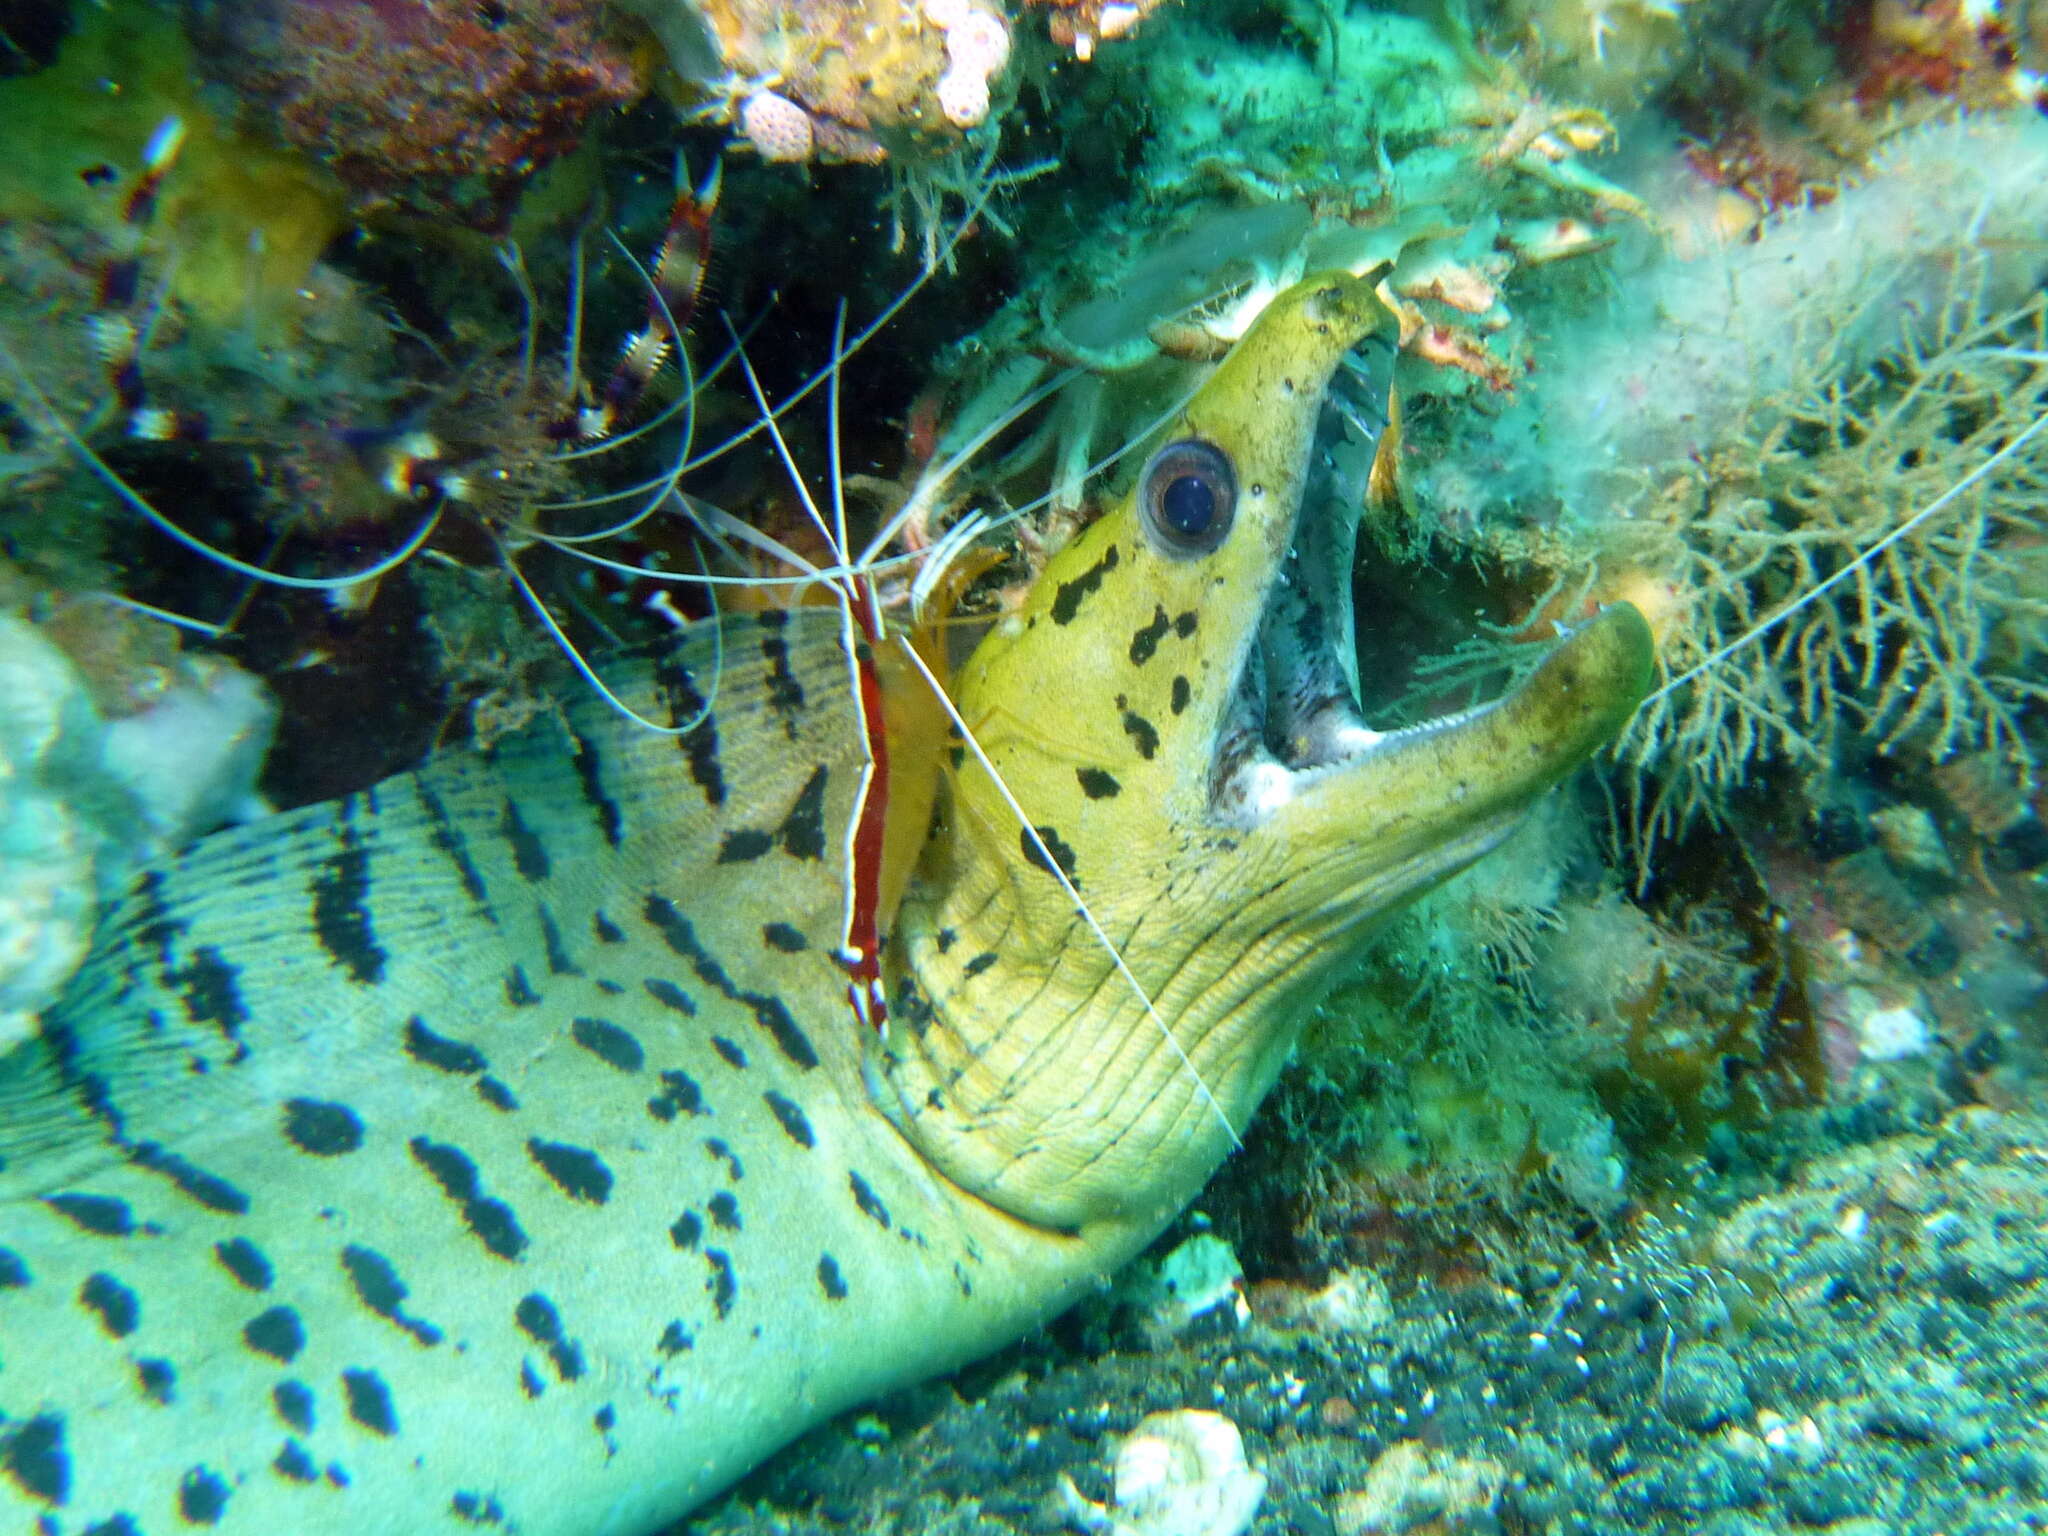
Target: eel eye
{"x": 1189, "y": 493}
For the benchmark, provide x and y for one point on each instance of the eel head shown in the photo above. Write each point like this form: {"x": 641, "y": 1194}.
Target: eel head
{"x": 1169, "y": 711}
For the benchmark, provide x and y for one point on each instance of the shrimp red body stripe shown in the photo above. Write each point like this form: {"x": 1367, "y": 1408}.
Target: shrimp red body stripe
{"x": 861, "y": 953}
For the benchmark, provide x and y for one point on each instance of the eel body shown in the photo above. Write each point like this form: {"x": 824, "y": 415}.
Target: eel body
{"x": 497, "y": 1148}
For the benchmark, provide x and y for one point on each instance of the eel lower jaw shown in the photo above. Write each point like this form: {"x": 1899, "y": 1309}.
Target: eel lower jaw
{"x": 1277, "y": 748}
{"x": 1336, "y": 740}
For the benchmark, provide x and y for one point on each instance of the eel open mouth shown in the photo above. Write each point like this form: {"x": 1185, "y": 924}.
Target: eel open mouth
{"x": 1294, "y": 721}
{"x": 1293, "y": 718}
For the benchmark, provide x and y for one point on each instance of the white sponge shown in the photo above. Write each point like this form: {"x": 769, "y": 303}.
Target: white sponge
{"x": 977, "y": 48}
{"x": 777, "y": 127}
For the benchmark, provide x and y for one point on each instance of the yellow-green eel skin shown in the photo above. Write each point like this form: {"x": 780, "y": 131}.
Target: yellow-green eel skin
{"x": 496, "y": 1149}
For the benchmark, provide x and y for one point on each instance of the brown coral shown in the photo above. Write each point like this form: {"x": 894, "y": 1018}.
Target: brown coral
{"x": 443, "y": 107}
{"x": 1930, "y": 642}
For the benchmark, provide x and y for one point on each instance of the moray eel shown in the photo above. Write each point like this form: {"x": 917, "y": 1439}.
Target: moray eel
{"x": 497, "y": 1148}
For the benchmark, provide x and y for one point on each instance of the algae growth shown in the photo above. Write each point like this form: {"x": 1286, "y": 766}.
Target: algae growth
{"x": 1674, "y": 1168}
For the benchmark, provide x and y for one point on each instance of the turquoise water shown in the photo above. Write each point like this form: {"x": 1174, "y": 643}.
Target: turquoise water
{"x": 1675, "y": 1166}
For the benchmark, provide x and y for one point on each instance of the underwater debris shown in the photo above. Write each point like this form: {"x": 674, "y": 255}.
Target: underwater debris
{"x": 1180, "y": 1473}
{"x": 1877, "y": 904}
{"x": 1415, "y": 1486}
{"x": 1911, "y": 840}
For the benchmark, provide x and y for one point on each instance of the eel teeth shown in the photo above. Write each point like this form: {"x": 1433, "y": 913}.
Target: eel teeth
{"x": 1252, "y": 784}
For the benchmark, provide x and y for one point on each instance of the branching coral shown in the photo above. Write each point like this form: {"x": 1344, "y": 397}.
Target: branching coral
{"x": 1730, "y": 432}
{"x": 924, "y": 194}
{"x": 1927, "y": 646}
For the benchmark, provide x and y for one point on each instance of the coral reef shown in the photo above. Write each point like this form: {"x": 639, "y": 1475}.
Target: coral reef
{"x": 1370, "y": 140}
{"x": 1730, "y": 435}
{"x": 1937, "y": 644}
{"x": 1972, "y": 53}
{"x": 1682, "y": 359}
{"x": 869, "y": 78}
{"x": 437, "y": 107}
{"x": 247, "y": 219}
{"x": 109, "y": 756}
{"x": 1611, "y": 51}
{"x": 1633, "y": 1181}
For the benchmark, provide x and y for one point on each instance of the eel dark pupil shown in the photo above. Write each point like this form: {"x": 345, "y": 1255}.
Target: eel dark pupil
{"x": 1190, "y": 496}
{"x": 1188, "y": 507}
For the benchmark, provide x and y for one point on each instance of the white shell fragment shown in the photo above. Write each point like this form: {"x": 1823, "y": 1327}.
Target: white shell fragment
{"x": 1180, "y": 1473}
{"x": 963, "y": 97}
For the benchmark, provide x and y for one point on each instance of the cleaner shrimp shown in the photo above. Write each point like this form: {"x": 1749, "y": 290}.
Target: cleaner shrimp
{"x": 869, "y": 583}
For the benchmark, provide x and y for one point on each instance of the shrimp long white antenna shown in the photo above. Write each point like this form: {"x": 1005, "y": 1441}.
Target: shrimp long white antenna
{"x": 861, "y": 338}
{"x": 1821, "y": 588}
{"x": 722, "y": 525}
{"x": 161, "y": 615}
{"x": 657, "y": 488}
{"x": 663, "y": 486}
{"x": 136, "y": 502}
{"x": 589, "y": 673}
{"x": 833, "y": 536}
{"x": 851, "y": 584}
{"x": 930, "y": 484}
{"x": 840, "y": 541}
{"x": 513, "y": 260}
{"x": 991, "y": 522}
{"x": 945, "y": 549}
{"x": 572, "y": 342}
{"x": 704, "y": 379}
